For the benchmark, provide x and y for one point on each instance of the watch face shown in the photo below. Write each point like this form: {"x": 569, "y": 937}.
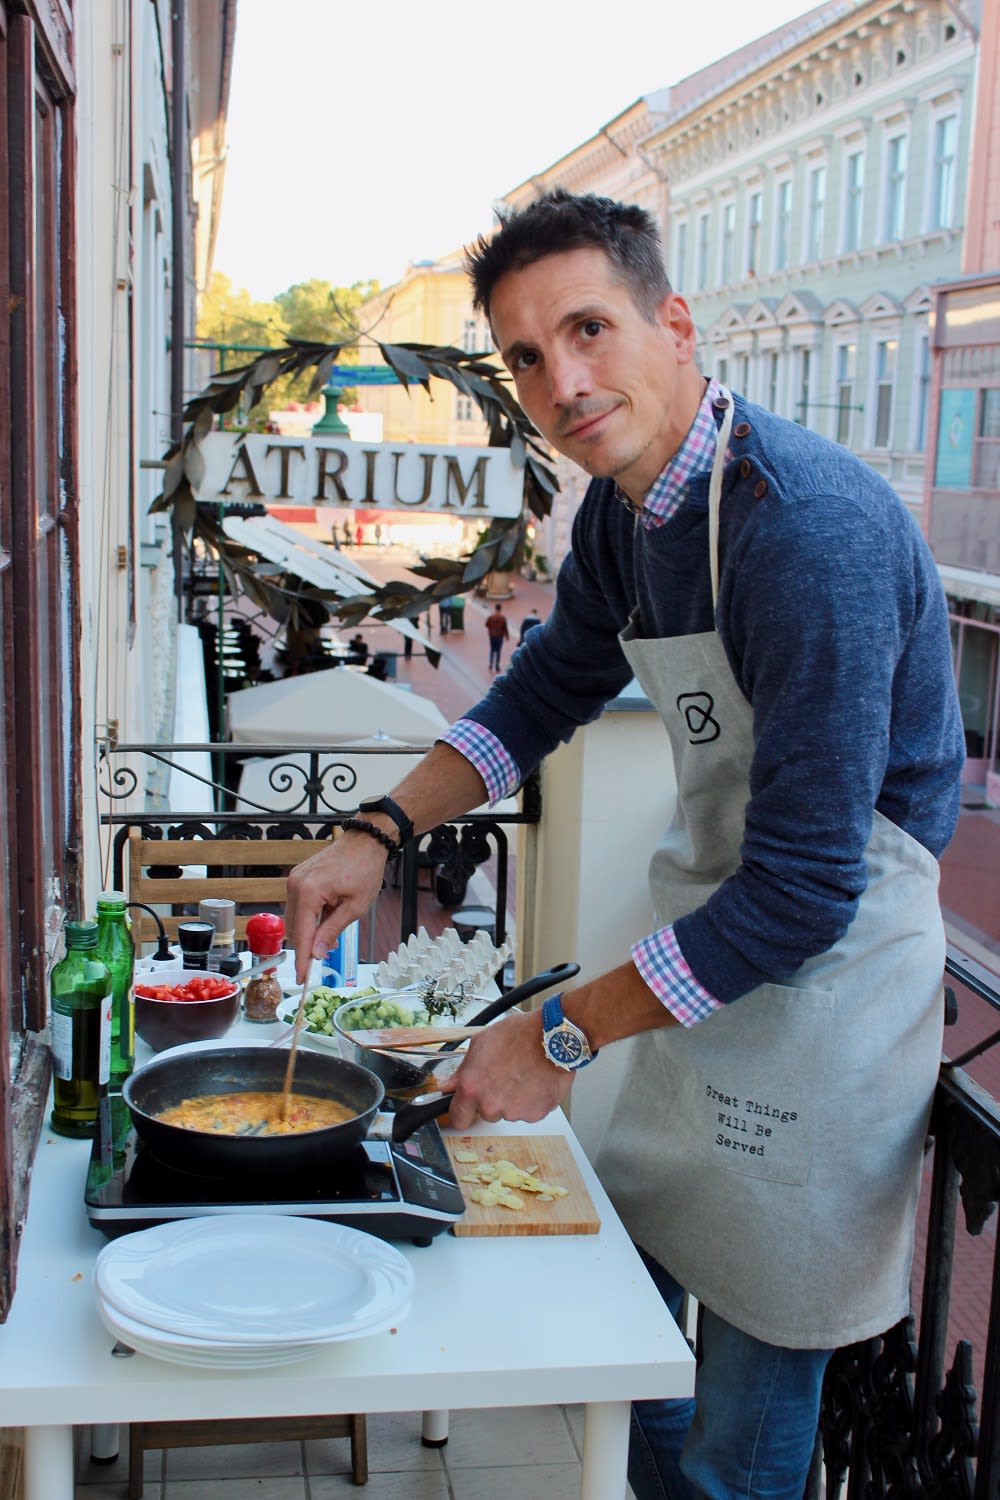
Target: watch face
{"x": 564, "y": 1047}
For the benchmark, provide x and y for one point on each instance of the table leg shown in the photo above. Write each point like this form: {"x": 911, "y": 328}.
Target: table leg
{"x": 48, "y": 1463}
{"x": 605, "y": 1450}
{"x": 434, "y": 1432}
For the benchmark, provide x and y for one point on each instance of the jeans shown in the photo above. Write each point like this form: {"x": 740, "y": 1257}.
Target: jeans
{"x": 749, "y": 1432}
{"x": 496, "y": 646}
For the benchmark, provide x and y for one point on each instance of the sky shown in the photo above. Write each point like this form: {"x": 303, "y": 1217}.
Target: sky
{"x": 365, "y": 136}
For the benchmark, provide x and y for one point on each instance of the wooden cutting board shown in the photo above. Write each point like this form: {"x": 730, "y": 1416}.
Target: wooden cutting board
{"x": 552, "y": 1161}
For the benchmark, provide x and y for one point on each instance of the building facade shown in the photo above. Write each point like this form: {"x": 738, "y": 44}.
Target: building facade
{"x": 110, "y": 144}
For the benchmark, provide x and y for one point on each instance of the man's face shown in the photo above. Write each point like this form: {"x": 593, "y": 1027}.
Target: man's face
{"x": 610, "y": 389}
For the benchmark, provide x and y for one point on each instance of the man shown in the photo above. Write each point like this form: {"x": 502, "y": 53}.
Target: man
{"x": 784, "y": 616}
{"x": 529, "y": 622}
{"x": 498, "y": 631}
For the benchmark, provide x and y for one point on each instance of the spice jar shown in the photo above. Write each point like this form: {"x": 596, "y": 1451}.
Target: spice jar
{"x": 263, "y": 995}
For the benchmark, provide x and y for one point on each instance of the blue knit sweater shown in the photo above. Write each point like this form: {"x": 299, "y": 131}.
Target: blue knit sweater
{"x": 835, "y": 626}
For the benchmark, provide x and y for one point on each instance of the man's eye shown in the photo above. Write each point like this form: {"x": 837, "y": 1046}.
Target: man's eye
{"x": 591, "y": 328}
{"x": 525, "y": 360}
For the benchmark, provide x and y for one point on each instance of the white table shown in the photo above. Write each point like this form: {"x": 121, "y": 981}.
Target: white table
{"x": 510, "y": 1321}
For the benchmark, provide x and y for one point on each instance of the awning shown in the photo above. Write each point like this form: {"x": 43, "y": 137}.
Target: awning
{"x": 969, "y": 583}
{"x": 316, "y": 563}
{"x": 337, "y": 707}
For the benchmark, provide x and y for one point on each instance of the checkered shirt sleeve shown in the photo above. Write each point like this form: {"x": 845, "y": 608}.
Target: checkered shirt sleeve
{"x": 484, "y": 751}
{"x": 662, "y": 965}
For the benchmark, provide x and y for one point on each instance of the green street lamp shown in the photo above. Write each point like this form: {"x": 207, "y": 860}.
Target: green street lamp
{"x": 331, "y": 421}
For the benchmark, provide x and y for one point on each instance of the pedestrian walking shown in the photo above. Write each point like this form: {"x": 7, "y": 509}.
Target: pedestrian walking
{"x": 498, "y": 630}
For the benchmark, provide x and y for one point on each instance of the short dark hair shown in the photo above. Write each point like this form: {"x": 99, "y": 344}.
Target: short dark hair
{"x": 560, "y": 221}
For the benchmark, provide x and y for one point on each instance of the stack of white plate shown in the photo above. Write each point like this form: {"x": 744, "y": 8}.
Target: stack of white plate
{"x": 246, "y": 1291}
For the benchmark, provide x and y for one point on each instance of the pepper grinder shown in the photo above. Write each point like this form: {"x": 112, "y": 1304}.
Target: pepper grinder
{"x": 263, "y": 995}
{"x": 195, "y": 939}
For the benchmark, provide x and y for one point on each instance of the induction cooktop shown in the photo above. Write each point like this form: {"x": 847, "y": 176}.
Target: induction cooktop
{"x": 397, "y": 1191}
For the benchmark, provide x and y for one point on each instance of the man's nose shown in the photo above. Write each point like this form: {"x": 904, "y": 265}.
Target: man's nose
{"x": 569, "y": 379}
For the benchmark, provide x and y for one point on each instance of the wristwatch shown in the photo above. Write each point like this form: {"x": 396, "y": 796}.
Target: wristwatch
{"x": 392, "y": 810}
{"x": 564, "y": 1044}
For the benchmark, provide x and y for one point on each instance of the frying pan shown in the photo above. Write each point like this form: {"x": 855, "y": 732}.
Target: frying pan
{"x": 403, "y": 1078}
{"x": 167, "y": 1080}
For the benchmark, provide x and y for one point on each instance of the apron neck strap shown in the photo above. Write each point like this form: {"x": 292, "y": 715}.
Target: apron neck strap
{"x": 715, "y": 490}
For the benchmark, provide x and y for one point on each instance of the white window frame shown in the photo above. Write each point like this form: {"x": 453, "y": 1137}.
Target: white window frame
{"x": 679, "y": 278}
{"x": 853, "y": 198}
{"x": 884, "y": 376}
{"x": 843, "y": 420}
{"x": 895, "y": 184}
{"x": 934, "y": 218}
{"x": 755, "y": 229}
{"x": 782, "y": 257}
{"x": 816, "y": 210}
{"x": 702, "y": 251}
{"x": 922, "y": 369}
{"x": 727, "y": 243}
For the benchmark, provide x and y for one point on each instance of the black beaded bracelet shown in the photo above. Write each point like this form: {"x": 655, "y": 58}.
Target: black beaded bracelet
{"x": 363, "y": 826}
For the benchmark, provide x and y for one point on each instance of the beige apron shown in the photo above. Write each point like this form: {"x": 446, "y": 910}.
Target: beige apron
{"x": 769, "y": 1157}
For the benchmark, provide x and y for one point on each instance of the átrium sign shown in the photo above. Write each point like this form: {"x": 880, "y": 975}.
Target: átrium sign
{"x": 341, "y": 473}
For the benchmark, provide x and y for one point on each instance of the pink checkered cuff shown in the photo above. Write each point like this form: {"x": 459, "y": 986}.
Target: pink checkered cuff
{"x": 484, "y": 751}
{"x": 662, "y": 965}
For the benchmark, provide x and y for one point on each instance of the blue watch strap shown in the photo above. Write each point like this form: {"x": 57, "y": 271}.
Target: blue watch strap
{"x": 552, "y": 1012}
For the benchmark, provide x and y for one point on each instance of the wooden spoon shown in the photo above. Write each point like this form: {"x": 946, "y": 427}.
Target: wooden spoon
{"x": 412, "y": 1036}
{"x": 300, "y": 1015}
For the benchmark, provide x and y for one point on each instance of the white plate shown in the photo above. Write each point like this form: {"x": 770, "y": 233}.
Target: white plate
{"x": 208, "y": 1356}
{"x": 252, "y": 1279}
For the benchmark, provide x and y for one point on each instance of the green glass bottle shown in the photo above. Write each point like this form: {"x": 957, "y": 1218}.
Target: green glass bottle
{"x": 80, "y": 1019}
{"x": 116, "y": 948}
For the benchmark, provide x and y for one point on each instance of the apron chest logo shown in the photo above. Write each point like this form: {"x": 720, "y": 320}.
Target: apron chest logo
{"x": 696, "y": 709}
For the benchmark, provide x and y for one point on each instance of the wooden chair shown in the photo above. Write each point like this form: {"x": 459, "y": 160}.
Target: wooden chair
{"x": 144, "y": 1435}
{"x": 167, "y": 874}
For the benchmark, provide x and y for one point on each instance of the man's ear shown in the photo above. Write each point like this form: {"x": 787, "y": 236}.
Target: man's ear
{"x": 674, "y": 316}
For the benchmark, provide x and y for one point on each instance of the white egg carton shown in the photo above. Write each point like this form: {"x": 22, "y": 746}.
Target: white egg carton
{"x": 454, "y": 966}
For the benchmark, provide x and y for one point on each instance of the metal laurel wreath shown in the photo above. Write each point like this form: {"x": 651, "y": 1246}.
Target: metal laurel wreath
{"x": 475, "y": 377}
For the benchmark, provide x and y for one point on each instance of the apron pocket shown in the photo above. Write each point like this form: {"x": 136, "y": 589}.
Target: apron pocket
{"x": 752, "y": 1084}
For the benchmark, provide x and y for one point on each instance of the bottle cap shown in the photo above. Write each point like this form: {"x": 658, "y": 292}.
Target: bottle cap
{"x": 111, "y": 896}
{"x": 265, "y": 933}
{"x": 81, "y": 934}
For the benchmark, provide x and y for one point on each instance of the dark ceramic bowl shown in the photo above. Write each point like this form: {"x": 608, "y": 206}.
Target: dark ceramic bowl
{"x": 168, "y": 1023}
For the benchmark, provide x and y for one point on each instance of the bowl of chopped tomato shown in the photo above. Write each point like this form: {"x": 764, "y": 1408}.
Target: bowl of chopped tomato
{"x": 184, "y": 1005}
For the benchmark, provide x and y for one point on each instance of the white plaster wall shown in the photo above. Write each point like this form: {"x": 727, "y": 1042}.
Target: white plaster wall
{"x": 607, "y": 796}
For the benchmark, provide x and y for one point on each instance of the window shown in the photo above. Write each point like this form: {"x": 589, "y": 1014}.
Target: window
{"x": 805, "y": 392}
{"x": 986, "y": 472}
{"x": 783, "y": 225}
{"x": 846, "y": 358}
{"x": 722, "y": 371}
{"x": 943, "y": 172}
{"x": 728, "y": 243}
{"x": 773, "y": 375}
{"x": 701, "y": 276}
{"x": 923, "y": 392}
{"x": 679, "y": 278}
{"x": 885, "y": 383}
{"x": 854, "y": 199}
{"x": 895, "y": 188}
{"x": 476, "y": 337}
{"x": 755, "y": 212}
{"x": 815, "y": 216}
{"x": 743, "y": 374}
{"x": 38, "y": 679}
{"x": 465, "y": 409}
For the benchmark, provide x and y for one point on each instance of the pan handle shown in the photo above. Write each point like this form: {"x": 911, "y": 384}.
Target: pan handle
{"x": 410, "y": 1118}
{"x": 405, "y": 1121}
{"x": 560, "y": 974}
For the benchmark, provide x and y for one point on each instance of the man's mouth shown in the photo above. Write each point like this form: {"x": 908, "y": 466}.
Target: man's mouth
{"x": 581, "y": 424}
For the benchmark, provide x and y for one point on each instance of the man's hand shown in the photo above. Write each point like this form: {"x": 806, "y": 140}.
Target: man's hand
{"x": 506, "y": 1075}
{"x": 328, "y": 892}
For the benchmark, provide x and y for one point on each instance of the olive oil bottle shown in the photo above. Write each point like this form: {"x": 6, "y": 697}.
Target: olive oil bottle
{"x": 80, "y": 1021}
